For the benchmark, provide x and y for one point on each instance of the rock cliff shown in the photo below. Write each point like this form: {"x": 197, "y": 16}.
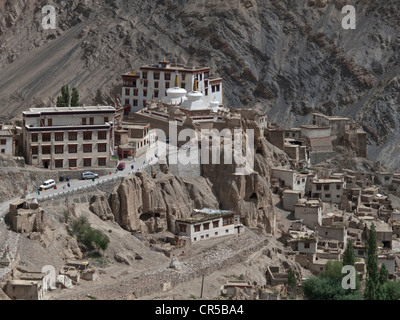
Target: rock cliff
{"x": 150, "y": 205}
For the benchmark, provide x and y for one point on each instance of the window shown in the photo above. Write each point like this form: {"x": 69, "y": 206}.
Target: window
{"x": 306, "y": 245}
{"x": 87, "y": 148}
{"x": 3, "y": 150}
{"x": 91, "y": 121}
{"x": 87, "y": 135}
{"x": 127, "y": 92}
{"x": 46, "y": 150}
{"x": 87, "y": 162}
{"x": 206, "y": 92}
{"x": 197, "y": 228}
{"x": 156, "y": 84}
{"x": 3, "y": 141}
{"x": 42, "y": 122}
{"x": 213, "y": 88}
{"x": 156, "y": 76}
{"x": 102, "y": 135}
{"x": 155, "y": 93}
{"x": 227, "y": 231}
{"x": 144, "y": 93}
{"x": 319, "y": 187}
{"x": 144, "y": 75}
{"x": 205, "y": 82}
{"x": 387, "y": 178}
{"x": 34, "y": 137}
{"x": 102, "y": 147}
{"x": 135, "y": 92}
{"x": 135, "y": 102}
{"x": 182, "y": 228}
{"x": 298, "y": 182}
{"x": 72, "y": 136}
{"x": 183, "y": 76}
{"x": 326, "y": 187}
{"x": 145, "y": 83}
{"x": 35, "y": 150}
{"x": 183, "y": 85}
{"x": 46, "y": 137}
{"x": 102, "y": 162}
{"x": 338, "y": 187}
{"x": 72, "y": 149}
{"x": 227, "y": 221}
{"x": 59, "y": 136}
{"x": 49, "y": 122}
{"x": 144, "y": 103}
{"x": 58, "y": 149}
{"x": 200, "y": 76}
{"x": 167, "y": 85}
{"x": 84, "y": 121}
{"x": 328, "y": 195}
{"x": 105, "y": 119}
{"x": 216, "y": 233}
{"x": 58, "y": 163}
{"x": 206, "y": 226}
{"x": 216, "y": 224}
{"x": 72, "y": 163}
{"x": 126, "y": 101}
{"x": 167, "y": 76}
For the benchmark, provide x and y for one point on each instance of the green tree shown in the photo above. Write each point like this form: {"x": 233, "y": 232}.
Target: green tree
{"x": 292, "y": 281}
{"x": 373, "y": 287}
{"x": 328, "y": 285}
{"x": 383, "y": 274}
{"x": 63, "y": 99}
{"x": 349, "y": 257}
{"x": 74, "y": 98}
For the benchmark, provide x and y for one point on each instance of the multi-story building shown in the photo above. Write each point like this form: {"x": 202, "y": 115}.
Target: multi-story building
{"x": 153, "y": 81}
{"x": 66, "y": 137}
{"x": 328, "y": 190}
{"x": 7, "y": 142}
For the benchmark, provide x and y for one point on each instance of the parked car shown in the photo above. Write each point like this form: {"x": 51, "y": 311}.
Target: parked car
{"x": 89, "y": 175}
{"x": 121, "y": 166}
{"x": 48, "y": 184}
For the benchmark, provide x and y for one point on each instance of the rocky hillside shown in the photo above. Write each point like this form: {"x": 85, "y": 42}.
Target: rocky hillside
{"x": 288, "y": 57}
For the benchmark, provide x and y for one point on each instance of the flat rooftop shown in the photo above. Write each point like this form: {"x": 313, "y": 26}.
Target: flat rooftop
{"x": 61, "y": 110}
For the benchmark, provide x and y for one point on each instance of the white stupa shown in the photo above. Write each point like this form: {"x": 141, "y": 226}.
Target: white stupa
{"x": 175, "y": 95}
{"x": 195, "y": 100}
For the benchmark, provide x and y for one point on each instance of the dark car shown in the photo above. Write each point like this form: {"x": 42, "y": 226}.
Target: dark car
{"x": 121, "y": 166}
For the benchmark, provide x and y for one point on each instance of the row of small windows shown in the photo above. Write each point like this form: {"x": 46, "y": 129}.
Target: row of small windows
{"x": 86, "y": 148}
{"x": 72, "y": 136}
{"x": 87, "y": 162}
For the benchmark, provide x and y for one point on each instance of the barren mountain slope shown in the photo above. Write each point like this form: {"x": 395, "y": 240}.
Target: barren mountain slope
{"x": 291, "y": 57}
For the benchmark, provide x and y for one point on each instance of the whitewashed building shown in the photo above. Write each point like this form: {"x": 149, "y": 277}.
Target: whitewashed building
{"x": 206, "y": 224}
{"x": 328, "y": 190}
{"x": 69, "y": 137}
{"x": 7, "y": 145}
{"x": 290, "y": 178}
{"x": 151, "y": 82}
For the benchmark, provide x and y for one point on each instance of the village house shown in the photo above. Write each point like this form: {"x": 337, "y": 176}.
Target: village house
{"x": 290, "y": 198}
{"x": 8, "y": 141}
{"x": 309, "y": 211}
{"x": 384, "y": 233}
{"x": 206, "y": 224}
{"x": 69, "y": 137}
{"x": 290, "y": 179}
{"x": 328, "y": 189}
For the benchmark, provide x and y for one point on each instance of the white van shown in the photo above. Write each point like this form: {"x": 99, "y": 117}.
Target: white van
{"x": 48, "y": 184}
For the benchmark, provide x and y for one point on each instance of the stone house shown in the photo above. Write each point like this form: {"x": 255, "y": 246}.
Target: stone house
{"x": 310, "y": 211}
{"x": 26, "y": 217}
{"x": 290, "y": 199}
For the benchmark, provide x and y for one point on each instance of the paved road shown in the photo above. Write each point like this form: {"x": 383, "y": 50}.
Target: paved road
{"x": 141, "y": 161}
